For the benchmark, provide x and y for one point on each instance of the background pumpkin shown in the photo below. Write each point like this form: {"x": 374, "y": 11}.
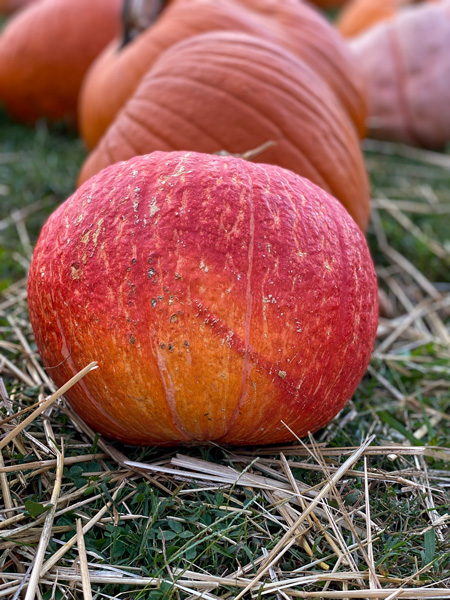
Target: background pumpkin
{"x": 220, "y": 298}
{"x": 407, "y": 66}
{"x": 327, "y": 4}
{"x": 7, "y": 7}
{"x": 45, "y": 51}
{"x": 359, "y": 15}
{"x": 116, "y": 73}
{"x": 230, "y": 91}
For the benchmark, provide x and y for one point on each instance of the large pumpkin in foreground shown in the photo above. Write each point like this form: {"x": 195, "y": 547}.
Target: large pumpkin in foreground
{"x": 221, "y": 299}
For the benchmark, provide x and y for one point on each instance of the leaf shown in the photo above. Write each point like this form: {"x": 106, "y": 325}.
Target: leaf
{"x": 36, "y": 508}
{"x": 392, "y": 421}
{"x": 186, "y": 534}
{"x": 93, "y": 467}
{"x": 429, "y": 539}
{"x": 175, "y": 526}
{"x": 79, "y": 482}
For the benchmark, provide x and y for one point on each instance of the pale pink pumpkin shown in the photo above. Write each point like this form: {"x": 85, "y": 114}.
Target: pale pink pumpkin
{"x": 222, "y": 299}
{"x": 407, "y": 67}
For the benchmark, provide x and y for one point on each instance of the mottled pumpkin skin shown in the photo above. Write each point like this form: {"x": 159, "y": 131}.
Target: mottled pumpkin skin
{"x": 221, "y": 298}
{"x": 45, "y": 51}
{"x": 407, "y": 66}
{"x": 247, "y": 92}
{"x": 115, "y": 75}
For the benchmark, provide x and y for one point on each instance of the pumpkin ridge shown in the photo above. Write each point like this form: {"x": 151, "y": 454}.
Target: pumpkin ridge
{"x": 123, "y": 132}
{"x": 245, "y": 382}
{"x": 345, "y": 302}
{"x": 169, "y": 109}
{"x": 68, "y": 360}
{"x": 296, "y": 84}
{"x": 169, "y": 396}
{"x": 401, "y": 86}
{"x": 106, "y": 146}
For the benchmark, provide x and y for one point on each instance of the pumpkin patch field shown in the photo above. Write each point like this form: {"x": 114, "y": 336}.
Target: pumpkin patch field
{"x": 224, "y": 299}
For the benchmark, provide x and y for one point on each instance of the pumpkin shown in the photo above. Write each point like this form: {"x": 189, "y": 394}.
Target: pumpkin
{"x": 116, "y": 73}
{"x": 359, "y": 15}
{"x": 407, "y": 66}
{"x": 7, "y": 7}
{"x": 222, "y": 299}
{"x": 234, "y": 92}
{"x": 45, "y": 51}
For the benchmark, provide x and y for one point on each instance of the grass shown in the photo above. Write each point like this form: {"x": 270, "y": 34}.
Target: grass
{"x": 78, "y": 520}
{"x": 38, "y": 169}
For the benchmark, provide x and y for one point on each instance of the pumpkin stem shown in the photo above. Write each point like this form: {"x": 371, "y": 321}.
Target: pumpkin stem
{"x": 138, "y": 15}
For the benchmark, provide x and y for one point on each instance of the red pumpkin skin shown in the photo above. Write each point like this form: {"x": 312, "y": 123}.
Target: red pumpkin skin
{"x": 248, "y": 92}
{"x": 221, "y": 298}
{"x": 117, "y": 72}
{"x": 45, "y": 51}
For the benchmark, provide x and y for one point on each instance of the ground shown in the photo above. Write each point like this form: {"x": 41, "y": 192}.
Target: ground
{"x": 201, "y": 521}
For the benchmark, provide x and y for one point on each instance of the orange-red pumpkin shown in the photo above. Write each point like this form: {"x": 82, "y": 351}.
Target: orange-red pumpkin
{"x": 116, "y": 73}
{"x": 407, "y": 66}
{"x": 234, "y": 92}
{"x": 224, "y": 300}
{"x": 45, "y": 51}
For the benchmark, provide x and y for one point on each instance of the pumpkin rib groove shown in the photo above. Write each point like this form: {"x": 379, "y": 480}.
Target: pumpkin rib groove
{"x": 248, "y": 313}
{"x": 295, "y": 57}
{"x": 126, "y": 139}
{"x": 108, "y": 151}
{"x": 172, "y": 112}
{"x": 345, "y": 300}
{"x": 69, "y": 358}
{"x": 298, "y": 85}
{"x": 171, "y": 402}
{"x": 122, "y": 130}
